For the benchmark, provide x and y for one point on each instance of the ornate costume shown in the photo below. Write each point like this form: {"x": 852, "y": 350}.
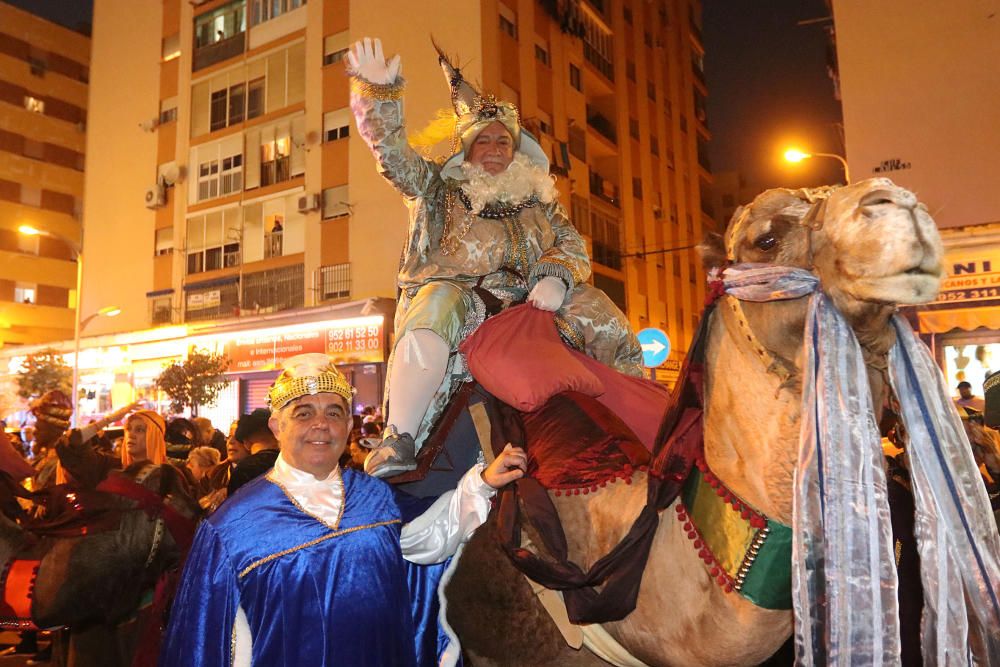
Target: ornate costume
{"x": 295, "y": 570}
{"x": 465, "y": 257}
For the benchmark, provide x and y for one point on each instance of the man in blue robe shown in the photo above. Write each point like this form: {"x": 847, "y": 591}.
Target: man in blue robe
{"x": 305, "y": 565}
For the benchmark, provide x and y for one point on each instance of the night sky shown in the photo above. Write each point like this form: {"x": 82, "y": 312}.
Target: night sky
{"x": 74, "y": 14}
{"x": 768, "y": 87}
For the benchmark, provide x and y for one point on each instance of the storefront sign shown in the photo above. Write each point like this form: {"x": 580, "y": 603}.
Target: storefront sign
{"x": 343, "y": 343}
{"x": 971, "y": 275}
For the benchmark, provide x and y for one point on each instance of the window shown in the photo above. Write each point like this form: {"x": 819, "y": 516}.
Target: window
{"x": 337, "y": 124}
{"x": 168, "y": 115}
{"x": 508, "y": 21}
{"x": 684, "y": 124}
{"x": 237, "y": 103}
{"x": 25, "y": 292}
{"x": 34, "y": 104}
{"x": 38, "y": 66}
{"x": 218, "y": 110}
{"x": 208, "y": 180}
{"x": 633, "y": 128}
{"x": 637, "y": 188}
{"x": 219, "y": 25}
{"x": 160, "y": 310}
{"x": 336, "y": 202}
{"x": 274, "y": 162}
{"x": 164, "y": 242}
{"x": 213, "y": 241}
{"x": 630, "y": 70}
{"x": 542, "y": 55}
{"x": 654, "y": 145}
{"x": 647, "y": 39}
{"x": 230, "y": 106}
{"x": 255, "y": 98}
{"x": 274, "y": 236}
{"x": 574, "y": 77}
{"x": 265, "y": 10}
{"x": 650, "y": 90}
{"x": 334, "y": 57}
{"x": 216, "y": 182}
{"x": 335, "y": 47}
{"x": 627, "y": 11}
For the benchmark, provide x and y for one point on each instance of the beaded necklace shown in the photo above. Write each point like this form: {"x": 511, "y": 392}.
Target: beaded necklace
{"x": 452, "y": 235}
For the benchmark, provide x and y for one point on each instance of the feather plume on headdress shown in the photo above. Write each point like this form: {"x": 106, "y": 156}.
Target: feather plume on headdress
{"x": 440, "y": 128}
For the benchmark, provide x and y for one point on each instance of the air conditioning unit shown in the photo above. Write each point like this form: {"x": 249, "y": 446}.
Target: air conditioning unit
{"x": 156, "y": 196}
{"x": 150, "y": 125}
{"x": 309, "y": 202}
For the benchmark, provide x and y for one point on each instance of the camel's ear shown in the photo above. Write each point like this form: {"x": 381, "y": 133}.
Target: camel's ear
{"x": 712, "y": 251}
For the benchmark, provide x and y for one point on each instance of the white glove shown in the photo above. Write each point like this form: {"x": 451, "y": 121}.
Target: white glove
{"x": 366, "y": 60}
{"x": 548, "y": 294}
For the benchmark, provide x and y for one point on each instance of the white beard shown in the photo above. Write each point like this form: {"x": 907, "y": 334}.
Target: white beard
{"x": 518, "y": 182}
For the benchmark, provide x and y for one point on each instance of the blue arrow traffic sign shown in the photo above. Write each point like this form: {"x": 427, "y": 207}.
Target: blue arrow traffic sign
{"x": 655, "y": 347}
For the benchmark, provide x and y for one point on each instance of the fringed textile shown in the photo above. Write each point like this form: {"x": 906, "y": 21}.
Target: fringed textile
{"x": 844, "y": 577}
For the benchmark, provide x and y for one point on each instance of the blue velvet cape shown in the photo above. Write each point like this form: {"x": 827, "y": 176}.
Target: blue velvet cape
{"x": 313, "y": 594}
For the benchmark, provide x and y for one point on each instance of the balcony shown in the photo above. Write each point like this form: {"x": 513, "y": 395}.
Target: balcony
{"x": 600, "y": 62}
{"x": 275, "y": 171}
{"x": 333, "y": 282}
{"x": 604, "y": 189}
{"x": 602, "y": 125}
{"x": 218, "y": 51}
{"x": 274, "y": 290}
{"x": 273, "y": 244}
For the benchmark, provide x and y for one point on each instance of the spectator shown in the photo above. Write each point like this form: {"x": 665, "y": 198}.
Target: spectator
{"x": 254, "y": 432}
{"x": 201, "y": 461}
{"x": 220, "y": 475}
{"x": 181, "y": 436}
{"x": 967, "y": 400}
{"x": 144, "y": 441}
{"x": 209, "y": 436}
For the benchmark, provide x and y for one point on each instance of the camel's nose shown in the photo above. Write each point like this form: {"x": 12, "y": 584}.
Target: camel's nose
{"x": 889, "y": 195}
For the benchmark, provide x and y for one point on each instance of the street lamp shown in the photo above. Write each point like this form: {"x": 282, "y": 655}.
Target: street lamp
{"x": 796, "y": 155}
{"x": 78, "y": 323}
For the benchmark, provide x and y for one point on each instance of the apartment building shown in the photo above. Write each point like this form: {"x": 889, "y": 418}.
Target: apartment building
{"x": 230, "y": 195}
{"x": 44, "y": 70}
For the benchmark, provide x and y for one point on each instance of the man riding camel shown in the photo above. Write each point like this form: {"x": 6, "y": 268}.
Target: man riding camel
{"x": 486, "y": 230}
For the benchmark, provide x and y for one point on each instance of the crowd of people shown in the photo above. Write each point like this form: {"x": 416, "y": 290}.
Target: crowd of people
{"x": 45, "y": 455}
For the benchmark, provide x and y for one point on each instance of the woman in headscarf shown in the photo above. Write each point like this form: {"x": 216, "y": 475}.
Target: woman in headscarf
{"x": 144, "y": 430}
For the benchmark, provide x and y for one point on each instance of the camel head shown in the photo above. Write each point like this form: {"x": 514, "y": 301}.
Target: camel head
{"x": 872, "y": 244}
{"x": 878, "y": 244}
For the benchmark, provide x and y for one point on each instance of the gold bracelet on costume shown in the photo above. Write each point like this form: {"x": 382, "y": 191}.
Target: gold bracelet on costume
{"x": 382, "y": 92}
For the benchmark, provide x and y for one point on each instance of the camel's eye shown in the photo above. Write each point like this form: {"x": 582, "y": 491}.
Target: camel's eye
{"x": 766, "y": 241}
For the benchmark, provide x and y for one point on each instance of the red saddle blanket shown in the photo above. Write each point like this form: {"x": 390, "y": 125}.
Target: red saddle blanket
{"x": 577, "y": 445}
{"x": 519, "y": 357}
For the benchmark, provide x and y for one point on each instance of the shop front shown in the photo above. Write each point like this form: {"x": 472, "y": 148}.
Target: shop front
{"x": 118, "y": 369}
{"x": 962, "y": 326}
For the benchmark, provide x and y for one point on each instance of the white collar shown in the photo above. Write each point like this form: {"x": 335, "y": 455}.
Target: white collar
{"x": 289, "y": 475}
{"x": 323, "y": 499}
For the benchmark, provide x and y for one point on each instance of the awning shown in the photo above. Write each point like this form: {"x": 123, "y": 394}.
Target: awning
{"x": 966, "y": 319}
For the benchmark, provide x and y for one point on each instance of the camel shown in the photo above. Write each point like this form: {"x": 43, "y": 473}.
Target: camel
{"x": 873, "y": 247}
{"x": 97, "y": 579}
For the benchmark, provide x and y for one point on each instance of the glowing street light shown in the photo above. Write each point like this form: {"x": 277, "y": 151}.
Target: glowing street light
{"x": 796, "y": 155}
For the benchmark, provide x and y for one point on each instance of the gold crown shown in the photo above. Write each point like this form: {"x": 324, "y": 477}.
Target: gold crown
{"x": 304, "y": 378}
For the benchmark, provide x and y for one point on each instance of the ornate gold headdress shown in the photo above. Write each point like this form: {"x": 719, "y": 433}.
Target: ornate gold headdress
{"x": 474, "y": 111}
{"x": 308, "y": 374}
